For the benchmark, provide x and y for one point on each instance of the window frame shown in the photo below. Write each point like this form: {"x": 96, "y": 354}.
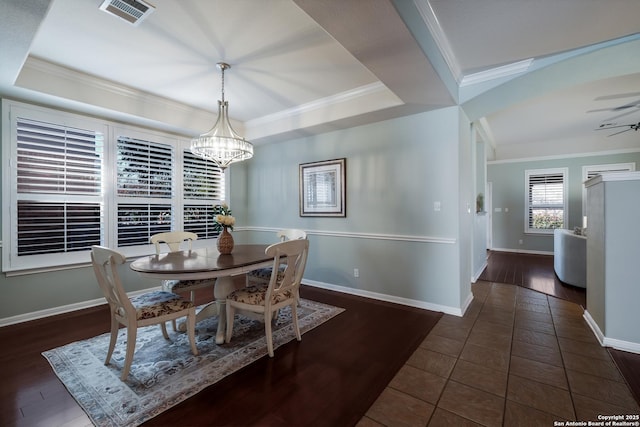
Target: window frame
{"x": 528, "y": 221}
{"x": 588, "y": 171}
{"x": 12, "y": 264}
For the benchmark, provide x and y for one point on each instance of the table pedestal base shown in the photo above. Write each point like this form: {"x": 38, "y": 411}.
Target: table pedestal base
{"x": 223, "y": 287}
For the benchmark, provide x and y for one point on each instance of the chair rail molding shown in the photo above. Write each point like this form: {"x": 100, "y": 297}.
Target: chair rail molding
{"x": 352, "y": 235}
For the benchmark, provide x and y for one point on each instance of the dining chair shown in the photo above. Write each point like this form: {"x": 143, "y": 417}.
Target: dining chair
{"x": 176, "y": 241}
{"x": 281, "y": 291}
{"x": 151, "y": 308}
{"x": 262, "y": 275}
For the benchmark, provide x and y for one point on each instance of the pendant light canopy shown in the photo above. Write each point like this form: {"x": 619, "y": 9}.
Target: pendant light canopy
{"x": 222, "y": 145}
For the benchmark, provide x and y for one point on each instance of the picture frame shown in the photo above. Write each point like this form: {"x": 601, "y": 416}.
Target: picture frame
{"x": 323, "y": 188}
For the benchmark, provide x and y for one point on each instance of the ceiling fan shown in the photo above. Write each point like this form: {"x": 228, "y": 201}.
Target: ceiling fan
{"x": 621, "y": 110}
{"x": 631, "y": 126}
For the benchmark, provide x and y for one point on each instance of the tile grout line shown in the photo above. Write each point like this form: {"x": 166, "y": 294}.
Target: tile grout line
{"x": 513, "y": 327}
{"x": 448, "y": 379}
{"x": 564, "y": 366}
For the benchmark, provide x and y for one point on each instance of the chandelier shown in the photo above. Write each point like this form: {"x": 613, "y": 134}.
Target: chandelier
{"x": 222, "y": 145}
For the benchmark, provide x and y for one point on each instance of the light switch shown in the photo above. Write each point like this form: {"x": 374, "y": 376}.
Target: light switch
{"x": 497, "y": 210}
{"x": 436, "y": 206}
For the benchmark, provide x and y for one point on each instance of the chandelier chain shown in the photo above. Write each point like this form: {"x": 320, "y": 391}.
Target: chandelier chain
{"x": 222, "y": 69}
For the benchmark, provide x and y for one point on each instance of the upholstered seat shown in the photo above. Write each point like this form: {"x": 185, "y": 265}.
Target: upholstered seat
{"x": 267, "y": 299}
{"x": 262, "y": 275}
{"x": 156, "y": 303}
{"x": 186, "y": 285}
{"x": 151, "y": 308}
{"x": 256, "y": 295}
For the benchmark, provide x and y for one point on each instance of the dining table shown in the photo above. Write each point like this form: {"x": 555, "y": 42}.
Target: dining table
{"x": 206, "y": 263}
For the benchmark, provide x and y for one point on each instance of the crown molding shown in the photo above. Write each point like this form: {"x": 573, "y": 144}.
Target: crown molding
{"x": 41, "y": 66}
{"x": 496, "y": 73}
{"x": 431, "y": 20}
{"x": 359, "y": 92}
{"x": 564, "y": 156}
{"x": 342, "y": 106}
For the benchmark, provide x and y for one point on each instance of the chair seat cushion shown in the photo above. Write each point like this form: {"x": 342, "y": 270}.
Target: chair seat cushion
{"x": 265, "y": 273}
{"x": 158, "y": 303}
{"x": 187, "y": 285}
{"x": 255, "y": 295}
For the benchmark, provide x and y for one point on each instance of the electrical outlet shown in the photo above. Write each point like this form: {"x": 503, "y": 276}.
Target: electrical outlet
{"x": 520, "y": 241}
{"x": 356, "y": 272}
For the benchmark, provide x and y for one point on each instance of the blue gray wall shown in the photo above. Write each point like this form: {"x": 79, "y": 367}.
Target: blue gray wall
{"x": 396, "y": 171}
{"x": 508, "y": 180}
{"x": 404, "y": 249}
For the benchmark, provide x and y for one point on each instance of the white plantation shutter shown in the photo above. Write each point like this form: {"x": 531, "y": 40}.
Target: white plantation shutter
{"x": 202, "y": 179}
{"x": 144, "y": 190}
{"x": 72, "y": 181}
{"x": 203, "y": 185}
{"x": 59, "y": 187}
{"x": 546, "y": 200}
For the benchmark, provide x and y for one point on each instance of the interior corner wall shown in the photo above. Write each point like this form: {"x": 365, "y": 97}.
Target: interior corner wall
{"x": 480, "y": 216}
{"x": 466, "y": 205}
{"x": 401, "y": 229}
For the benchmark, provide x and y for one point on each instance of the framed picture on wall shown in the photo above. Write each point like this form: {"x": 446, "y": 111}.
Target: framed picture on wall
{"x": 323, "y": 188}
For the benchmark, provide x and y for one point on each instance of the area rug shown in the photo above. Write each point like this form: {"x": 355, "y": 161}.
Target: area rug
{"x": 164, "y": 373}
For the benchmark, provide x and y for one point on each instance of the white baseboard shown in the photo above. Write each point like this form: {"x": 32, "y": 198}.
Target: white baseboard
{"x": 467, "y": 303}
{"x": 521, "y": 251}
{"x": 629, "y": 346}
{"x": 388, "y": 298}
{"x": 34, "y": 315}
{"x": 359, "y": 292}
{"x": 594, "y": 327}
{"x": 475, "y": 277}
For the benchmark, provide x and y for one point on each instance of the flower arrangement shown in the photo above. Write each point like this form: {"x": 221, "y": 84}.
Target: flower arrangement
{"x": 222, "y": 217}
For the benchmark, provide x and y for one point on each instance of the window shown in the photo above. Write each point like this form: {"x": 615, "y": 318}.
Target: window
{"x": 546, "y": 200}
{"x": 70, "y": 182}
{"x": 203, "y": 182}
{"x": 590, "y": 171}
{"x": 144, "y": 190}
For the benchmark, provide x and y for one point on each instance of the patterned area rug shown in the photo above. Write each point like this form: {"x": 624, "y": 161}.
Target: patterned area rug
{"x": 164, "y": 373}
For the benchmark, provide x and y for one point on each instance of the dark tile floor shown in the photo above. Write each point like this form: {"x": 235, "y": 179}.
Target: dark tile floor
{"x": 517, "y": 357}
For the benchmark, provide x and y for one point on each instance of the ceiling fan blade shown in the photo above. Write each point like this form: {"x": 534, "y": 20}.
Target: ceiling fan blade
{"x": 635, "y": 110}
{"x": 599, "y": 110}
{"x": 605, "y": 127}
{"x": 622, "y": 131}
{"x": 627, "y": 105}
{"x": 617, "y": 96}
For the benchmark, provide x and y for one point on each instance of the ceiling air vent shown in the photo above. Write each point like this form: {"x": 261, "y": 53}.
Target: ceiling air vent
{"x": 132, "y": 11}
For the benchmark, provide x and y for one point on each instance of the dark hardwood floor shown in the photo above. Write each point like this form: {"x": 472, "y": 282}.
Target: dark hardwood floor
{"x": 530, "y": 271}
{"x": 536, "y": 272}
{"x": 330, "y": 378}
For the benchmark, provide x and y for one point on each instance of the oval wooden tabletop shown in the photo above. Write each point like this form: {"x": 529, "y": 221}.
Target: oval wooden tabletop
{"x": 200, "y": 260}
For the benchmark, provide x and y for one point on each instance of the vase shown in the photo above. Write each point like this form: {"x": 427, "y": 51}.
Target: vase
{"x": 225, "y": 242}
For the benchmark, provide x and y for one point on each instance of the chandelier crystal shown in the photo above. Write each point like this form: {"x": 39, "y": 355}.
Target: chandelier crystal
{"x": 222, "y": 145}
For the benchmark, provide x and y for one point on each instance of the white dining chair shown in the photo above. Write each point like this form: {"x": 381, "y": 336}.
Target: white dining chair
{"x": 151, "y": 308}
{"x": 176, "y": 241}
{"x": 281, "y": 291}
{"x": 262, "y": 275}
